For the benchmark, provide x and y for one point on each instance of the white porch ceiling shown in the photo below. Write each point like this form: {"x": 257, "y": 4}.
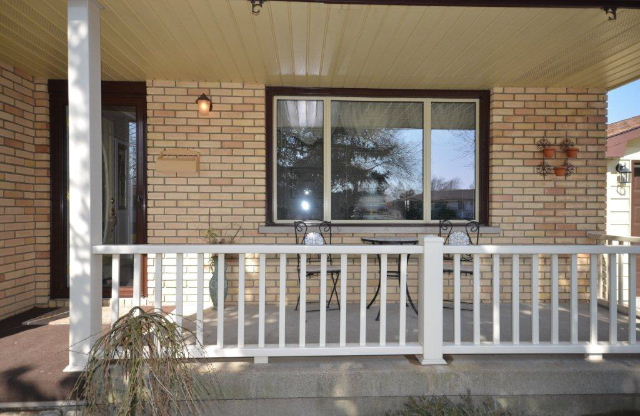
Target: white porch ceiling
{"x": 320, "y": 45}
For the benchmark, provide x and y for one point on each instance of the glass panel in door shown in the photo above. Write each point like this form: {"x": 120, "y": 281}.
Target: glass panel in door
{"x": 119, "y": 182}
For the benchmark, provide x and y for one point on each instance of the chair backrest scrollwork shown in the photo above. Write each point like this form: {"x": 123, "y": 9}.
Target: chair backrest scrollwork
{"x": 313, "y": 233}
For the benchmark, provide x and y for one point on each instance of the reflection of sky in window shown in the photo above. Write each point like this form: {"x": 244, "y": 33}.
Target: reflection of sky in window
{"x": 412, "y": 140}
{"x": 453, "y": 156}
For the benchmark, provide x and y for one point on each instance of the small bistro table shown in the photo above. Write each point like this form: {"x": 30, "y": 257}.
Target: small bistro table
{"x": 392, "y": 273}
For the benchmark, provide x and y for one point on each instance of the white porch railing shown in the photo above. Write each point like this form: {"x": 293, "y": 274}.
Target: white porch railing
{"x": 622, "y": 261}
{"x": 594, "y": 344}
{"x": 350, "y": 336}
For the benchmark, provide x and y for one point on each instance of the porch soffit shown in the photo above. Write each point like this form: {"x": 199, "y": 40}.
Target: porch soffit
{"x": 335, "y": 45}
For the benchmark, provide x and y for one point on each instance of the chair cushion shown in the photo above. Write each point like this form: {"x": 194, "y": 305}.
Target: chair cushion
{"x": 458, "y": 238}
{"x": 313, "y": 239}
{"x": 315, "y": 268}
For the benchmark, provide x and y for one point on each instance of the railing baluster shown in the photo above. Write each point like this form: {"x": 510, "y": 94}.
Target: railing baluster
{"x": 535, "y": 299}
{"x": 323, "y": 300}
{"x": 621, "y": 282}
{"x": 554, "y": 299}
{"x": 515, "y": 298}
{"x": 200, "y": 300}
{"x": 282, "y": 300}
{"x": 241, "y": 284}
{"x": 363, "y": 299}
{"x": 115, "y": 288}
{"x": 476, "y": 299}
{"x": 593, "y": 306}
{"x": 158, "y": 283}
{"x": 303, "y": 299}
{"x": 220, "y": 289}
{"x": 403, "y": 300}
{"x": 613, "y": 299}
{"x": 261, "y": 299}
{"x": 456, "y": 299}
{"x": 179, "y": 289}
{"x": 574, "y": 298}
{"x": 343, "y": 300}
{"x": 383, "y": 299}
{"x": 137, "y": 279}
{"x": 632, "y": 298}
{"x": 496, "y": 298}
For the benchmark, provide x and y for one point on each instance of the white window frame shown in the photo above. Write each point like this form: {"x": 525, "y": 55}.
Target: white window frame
{"x": 426, "y": 162}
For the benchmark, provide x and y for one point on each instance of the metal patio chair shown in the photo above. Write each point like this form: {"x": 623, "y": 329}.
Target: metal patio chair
{"x": 470, "y": 236}
{"x": 317, "y": 233}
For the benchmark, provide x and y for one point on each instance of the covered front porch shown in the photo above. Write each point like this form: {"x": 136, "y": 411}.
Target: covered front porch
{"x": 265, "y": 146}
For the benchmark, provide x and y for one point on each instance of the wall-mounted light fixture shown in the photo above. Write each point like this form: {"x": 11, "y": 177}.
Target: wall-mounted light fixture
{"x": 624, "y": 173}
{"x": 204, "y": 104}
{"x": 611, "y": 12}
{"x": 256, "y": 6}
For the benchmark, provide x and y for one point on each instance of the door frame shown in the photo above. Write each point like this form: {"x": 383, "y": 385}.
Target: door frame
{"x": 115, "y": 93}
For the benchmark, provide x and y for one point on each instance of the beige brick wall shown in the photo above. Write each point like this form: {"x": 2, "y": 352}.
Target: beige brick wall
{"x": 230, "y": 190}
{"x": 531, "y": 209}
{"x": 24, "y": 191}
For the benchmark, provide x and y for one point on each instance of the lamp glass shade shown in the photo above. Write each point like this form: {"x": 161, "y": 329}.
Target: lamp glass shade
{"x": 204, "y": 105}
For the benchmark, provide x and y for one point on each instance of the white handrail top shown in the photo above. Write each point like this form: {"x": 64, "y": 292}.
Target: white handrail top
{"x": 541, "y": 249}
{"x": 255, "y": 248}
{"x": 358, "y": 249}
{"x": 616, "y": 237}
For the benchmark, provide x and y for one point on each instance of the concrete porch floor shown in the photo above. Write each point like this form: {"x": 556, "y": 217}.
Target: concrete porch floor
{"x": 33, "y": 357}
{"x": 392, "y": 324}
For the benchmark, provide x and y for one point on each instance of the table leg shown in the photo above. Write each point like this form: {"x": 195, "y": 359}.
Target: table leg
{"x": 397, "y": 274}
{"x": 375, "y": 296}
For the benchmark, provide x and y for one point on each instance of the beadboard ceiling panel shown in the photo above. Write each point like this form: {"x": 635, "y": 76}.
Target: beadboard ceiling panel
{"x": 334, "y": 45}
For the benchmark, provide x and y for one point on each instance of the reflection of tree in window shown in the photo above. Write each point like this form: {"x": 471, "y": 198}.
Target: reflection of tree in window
{"x": 299, "y": 173}
{"x": 368, "y": 166}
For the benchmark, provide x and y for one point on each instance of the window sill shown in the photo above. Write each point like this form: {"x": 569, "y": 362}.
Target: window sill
{"x": 377, "y": 229}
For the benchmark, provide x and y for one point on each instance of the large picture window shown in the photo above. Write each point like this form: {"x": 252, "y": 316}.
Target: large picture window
{"x": 366, "y": 159}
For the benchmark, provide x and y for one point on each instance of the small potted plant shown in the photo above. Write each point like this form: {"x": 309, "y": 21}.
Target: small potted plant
{"x": 213, "y": 237}
{"x": 549, "y": 152}
{"x": 572, "y": 152}
{"x": 560, "y": 170}
{"x": 570, "y": 149}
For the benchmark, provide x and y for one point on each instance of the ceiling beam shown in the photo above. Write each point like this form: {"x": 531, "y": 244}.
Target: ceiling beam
{"x": 583, "y": 4}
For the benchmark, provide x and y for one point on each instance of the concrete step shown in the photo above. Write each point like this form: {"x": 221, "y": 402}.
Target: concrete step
{"x": 562, "y": 385}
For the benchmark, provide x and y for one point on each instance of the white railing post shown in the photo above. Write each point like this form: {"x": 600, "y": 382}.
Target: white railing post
{"x": 85, "y": 179}
{"x": 430, "y": 301}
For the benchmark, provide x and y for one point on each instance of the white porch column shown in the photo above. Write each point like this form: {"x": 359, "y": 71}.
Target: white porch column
{"x": 430, "y": 307}
{"x": 85, "y": 178}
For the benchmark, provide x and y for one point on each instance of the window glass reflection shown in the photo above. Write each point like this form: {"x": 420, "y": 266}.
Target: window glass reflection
{"x": 299, "y": 170}
{"x": 376, "y": 160}
{"x": 453, "y": 161}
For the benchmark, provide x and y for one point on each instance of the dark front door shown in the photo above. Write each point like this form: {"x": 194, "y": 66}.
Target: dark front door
{"x": 635, "y": 213}
{"x": 123, "y": 179}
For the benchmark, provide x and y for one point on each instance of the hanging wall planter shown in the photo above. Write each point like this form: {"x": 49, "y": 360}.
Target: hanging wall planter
{"x": 572, "y": 152}
{"x": 560, "y": 170}
{"x": 549, "y": 152}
